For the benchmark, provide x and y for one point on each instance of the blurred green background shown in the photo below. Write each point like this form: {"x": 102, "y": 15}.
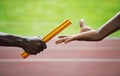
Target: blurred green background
{"x": 38, "y": 17}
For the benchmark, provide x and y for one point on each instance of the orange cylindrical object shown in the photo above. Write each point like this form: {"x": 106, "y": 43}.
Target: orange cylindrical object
{"x": 51, "y": 34}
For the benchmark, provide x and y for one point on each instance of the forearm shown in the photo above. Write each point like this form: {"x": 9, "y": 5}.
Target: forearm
{"x": 10, "y": 40}
{"x": 109, "y": 27}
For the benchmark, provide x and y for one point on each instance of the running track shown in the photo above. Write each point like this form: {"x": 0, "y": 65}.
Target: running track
{"x": 73, "y": 59}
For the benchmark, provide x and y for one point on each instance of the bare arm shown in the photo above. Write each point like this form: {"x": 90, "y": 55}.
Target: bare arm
{"x": 109, "y": 27}
{"x": 11, "y": 40}
{"x": 89, "y": 34}
{"x": 30, "y": 45}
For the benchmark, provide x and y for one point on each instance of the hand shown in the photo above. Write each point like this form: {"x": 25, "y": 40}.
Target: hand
{"x": 33, "y": 45}
{"x": 86, "y": 34}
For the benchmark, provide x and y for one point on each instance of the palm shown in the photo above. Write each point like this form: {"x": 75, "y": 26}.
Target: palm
{"x": 86, "y": 34}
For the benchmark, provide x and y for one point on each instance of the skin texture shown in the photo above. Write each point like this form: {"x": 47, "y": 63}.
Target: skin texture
{"x": 89, "y": 34}
{"x": 30, "y": 45}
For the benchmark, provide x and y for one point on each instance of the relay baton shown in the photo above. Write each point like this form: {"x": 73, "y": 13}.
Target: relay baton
{"x": 51, "y": 34}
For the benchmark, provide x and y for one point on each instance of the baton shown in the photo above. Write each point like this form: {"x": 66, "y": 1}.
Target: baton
{"x": 51, "y": 34}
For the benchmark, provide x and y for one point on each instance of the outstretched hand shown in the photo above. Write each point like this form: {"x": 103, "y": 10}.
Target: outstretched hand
{"x": 86, "y": 34}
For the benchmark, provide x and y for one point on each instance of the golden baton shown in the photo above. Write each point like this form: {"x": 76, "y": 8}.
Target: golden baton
{"x": 51, "y": 34}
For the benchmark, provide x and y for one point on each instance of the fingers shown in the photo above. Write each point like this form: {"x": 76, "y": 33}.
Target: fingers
{"x": 65, "y": 40}
{"x": 60, "y": 41}
{"x": 30, "y": 51}
{"x": 62, "y": 36}
{"x": 82, "y": 24}
{"x": 68, "y": 40}
{"x": 43, "y": 45}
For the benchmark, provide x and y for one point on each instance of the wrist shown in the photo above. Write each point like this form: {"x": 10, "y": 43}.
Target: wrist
{"x": 97, "y": 36}
{"x": 21, "y": 42}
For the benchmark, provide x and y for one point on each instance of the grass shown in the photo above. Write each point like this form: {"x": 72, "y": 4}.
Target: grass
{"x": 38, "y": 17}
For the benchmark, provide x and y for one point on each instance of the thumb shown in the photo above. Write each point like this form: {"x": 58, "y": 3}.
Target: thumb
{"x": 82, "y": 24}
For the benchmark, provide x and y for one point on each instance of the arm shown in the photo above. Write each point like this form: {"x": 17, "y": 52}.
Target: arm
{"x": 89, "y": 34}
{"x": 11, "y": 40}
{"x": 30, "y": 45}
{"x": 109, "y": 27}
